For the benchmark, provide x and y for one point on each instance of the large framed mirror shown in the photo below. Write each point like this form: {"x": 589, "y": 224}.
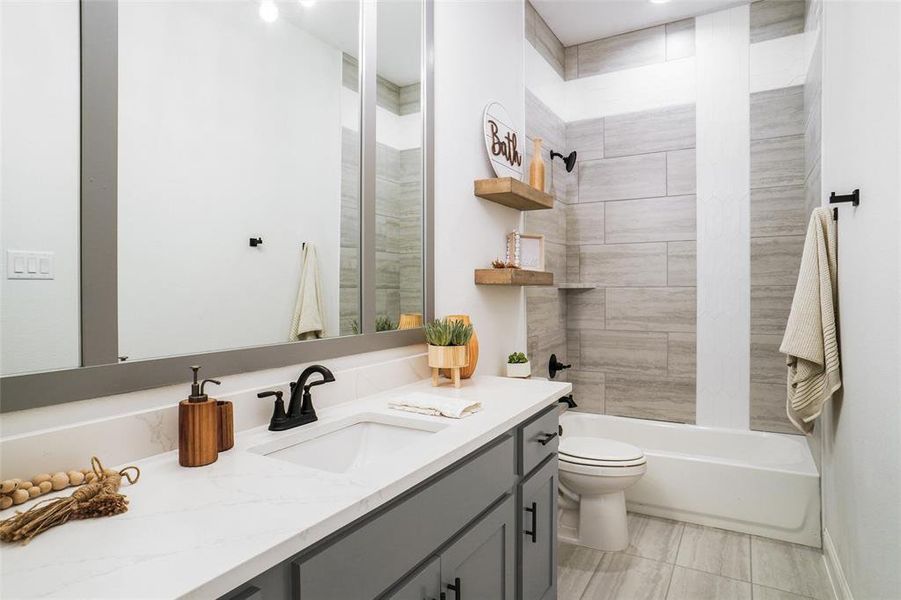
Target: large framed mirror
{"x": 241, "y": 184}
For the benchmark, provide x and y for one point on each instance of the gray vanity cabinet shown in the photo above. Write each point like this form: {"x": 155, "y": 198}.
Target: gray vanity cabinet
{"x": 538, "y": 542}
{"x": 481, "y": 563}
{"x": 424, "y": 584}
{"x": 465, "y": 534}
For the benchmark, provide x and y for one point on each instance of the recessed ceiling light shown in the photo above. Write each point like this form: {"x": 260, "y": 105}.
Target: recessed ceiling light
{"x": 659, "y": 1}
{"x": 307, "y": 3}
{"x": 268, "y": 11}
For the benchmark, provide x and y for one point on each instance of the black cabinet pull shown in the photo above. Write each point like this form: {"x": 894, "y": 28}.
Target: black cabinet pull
{"x": 456, "y": 588}
{"x": 547, "y": 438}
{"x": 534, "y": 533}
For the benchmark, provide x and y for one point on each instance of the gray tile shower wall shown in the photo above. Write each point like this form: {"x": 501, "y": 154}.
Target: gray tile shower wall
{"x": 632, "y": 49}
{"x": 629, "y": 229}
{"x": 631, "y": 232}
{"x": 544, "y": 40}
{"x": 631, "y": 338}
{"x": 546, "y": 308}
{"x": 782, "y": 162}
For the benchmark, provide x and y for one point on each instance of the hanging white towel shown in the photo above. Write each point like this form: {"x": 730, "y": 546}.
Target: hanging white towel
{"x": 309, "y": 311}
{"x": 433, "y": 404}
{"x": 811, "y": 340}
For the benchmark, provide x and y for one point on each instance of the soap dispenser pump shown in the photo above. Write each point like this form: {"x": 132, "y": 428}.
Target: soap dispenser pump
{"x": 198, "y": 426}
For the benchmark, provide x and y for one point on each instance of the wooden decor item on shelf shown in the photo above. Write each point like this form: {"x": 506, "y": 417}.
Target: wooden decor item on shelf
{"x": 513, "y": 277}
{"x": 226, "y": 432}
{"x": 410, "y": 321}
{"x": 513, "y": 193}
{"x": 452, "y": 358}
{"x": 536, "y": 168}
{"x": 473, "y": 346}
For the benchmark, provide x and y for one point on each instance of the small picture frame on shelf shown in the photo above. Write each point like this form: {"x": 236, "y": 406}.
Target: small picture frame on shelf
{"x": 526, "y": 251}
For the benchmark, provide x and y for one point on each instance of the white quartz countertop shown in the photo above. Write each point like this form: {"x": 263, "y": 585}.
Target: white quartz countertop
{"x": 200, "y": 532}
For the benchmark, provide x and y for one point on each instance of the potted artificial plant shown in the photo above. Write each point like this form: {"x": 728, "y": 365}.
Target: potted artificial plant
{"x": 447, "y": 339}
{"x": 518, "y": 365}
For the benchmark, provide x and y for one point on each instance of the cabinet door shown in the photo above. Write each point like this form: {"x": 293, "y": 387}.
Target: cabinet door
{"x": 480, "y": 564}
{"x": 424, "y": 584}
{"x": 538, "y": 533}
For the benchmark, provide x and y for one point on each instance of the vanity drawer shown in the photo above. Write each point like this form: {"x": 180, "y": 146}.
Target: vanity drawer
{"x": 538, "y": 439}
{"x": 379, "y": 552}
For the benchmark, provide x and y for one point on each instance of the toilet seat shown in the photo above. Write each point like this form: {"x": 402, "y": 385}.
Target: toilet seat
{"x": 599, "y": 452}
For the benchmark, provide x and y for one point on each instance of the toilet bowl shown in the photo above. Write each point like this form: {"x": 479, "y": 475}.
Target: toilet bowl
{"x": 598, "y": 471}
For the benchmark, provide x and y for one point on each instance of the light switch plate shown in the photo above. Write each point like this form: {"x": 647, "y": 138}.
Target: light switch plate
{"x": 23, "y": 264}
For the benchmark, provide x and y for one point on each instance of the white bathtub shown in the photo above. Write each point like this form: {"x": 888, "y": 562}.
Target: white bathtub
{"x": 753, "y": 482}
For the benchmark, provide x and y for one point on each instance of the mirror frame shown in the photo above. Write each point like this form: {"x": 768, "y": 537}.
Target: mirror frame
{"x": 101, "y": 374}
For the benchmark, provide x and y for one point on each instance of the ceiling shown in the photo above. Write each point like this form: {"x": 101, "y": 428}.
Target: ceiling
{"x": 578, "y": 21}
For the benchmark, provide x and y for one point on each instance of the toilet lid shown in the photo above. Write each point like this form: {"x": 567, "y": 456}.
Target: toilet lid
{"x": 593, "y": 450}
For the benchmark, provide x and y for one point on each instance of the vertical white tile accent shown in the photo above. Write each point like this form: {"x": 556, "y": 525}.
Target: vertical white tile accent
{"x": 723, "y": 211}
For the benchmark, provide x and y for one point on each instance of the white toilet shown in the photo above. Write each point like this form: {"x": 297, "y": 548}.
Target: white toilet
{"x": 595, "y": 472}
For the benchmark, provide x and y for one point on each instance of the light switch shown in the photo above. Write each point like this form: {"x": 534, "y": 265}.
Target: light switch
{"x": 24, "y": 264}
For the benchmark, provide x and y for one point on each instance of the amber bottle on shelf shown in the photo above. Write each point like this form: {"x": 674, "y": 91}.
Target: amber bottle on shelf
{"x": 536, "y": 167}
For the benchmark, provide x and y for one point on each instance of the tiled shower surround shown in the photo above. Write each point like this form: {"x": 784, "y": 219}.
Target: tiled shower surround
{"x": 398, "y": 210}
{"x": 624, "y": 227}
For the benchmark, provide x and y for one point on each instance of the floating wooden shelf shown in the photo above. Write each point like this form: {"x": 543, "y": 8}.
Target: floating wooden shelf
{"x": 513, "y": 193}
{"x": 513, "y": 277}
{"x": 577, "y": 286}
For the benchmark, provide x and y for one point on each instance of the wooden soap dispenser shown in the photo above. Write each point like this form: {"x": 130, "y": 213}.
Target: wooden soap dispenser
{"x": 198, "y": 426}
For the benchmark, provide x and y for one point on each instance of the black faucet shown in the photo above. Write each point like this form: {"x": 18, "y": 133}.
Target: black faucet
{"x": 300, "y": 408}
{"x": 568, "y": 401}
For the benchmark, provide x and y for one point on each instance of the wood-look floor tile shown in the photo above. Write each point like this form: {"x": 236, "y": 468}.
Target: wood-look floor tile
{"x": 654, "y": 538}
{"x": 576, "y": 566}
{"x": 760, "y": 592}
{"x": 789, "y": 567}
{"x": 624, "y": 576}
{"x": 716, "y": 551}
{"x": 687, "y": 584}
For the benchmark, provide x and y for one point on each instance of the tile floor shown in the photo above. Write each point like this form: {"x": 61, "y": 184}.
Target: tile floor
{"x": 670, "y": 560}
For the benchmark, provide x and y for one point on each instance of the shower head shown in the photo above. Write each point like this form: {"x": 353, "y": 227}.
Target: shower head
{"x": 569, "y": 161}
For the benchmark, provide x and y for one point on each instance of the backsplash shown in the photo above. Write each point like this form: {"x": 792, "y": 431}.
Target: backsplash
{"x": 128, "y": 427}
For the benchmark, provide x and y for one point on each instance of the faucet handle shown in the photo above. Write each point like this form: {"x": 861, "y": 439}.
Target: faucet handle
{"x": 279, "y": 417}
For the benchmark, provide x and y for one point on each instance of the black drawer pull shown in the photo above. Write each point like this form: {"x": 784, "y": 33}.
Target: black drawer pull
{"x": 547, "y": 438}
{"x": 534, "y": 533}
{"x": 455, "y": 587}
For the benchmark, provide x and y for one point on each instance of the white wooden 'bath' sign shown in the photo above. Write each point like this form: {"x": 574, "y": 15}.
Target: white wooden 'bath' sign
{"x": 502, "y": 141}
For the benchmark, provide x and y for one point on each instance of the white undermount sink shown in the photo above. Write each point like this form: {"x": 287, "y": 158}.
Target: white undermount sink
{"x": 349, "y": 444}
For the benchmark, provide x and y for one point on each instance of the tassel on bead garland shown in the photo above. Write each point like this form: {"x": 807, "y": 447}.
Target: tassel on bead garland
{"x": 99, "y": 498}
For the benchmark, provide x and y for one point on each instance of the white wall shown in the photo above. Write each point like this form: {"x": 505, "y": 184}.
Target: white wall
{"x": 861, "y": 459}
{"x": 229, "y": 128}
{"x": 39, "y": 181}
{"x": 723, "y": 216}
{"x": 478, "y": 58}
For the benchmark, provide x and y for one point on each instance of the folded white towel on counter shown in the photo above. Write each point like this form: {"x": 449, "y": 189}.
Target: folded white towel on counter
{"x": 433, "y": 404}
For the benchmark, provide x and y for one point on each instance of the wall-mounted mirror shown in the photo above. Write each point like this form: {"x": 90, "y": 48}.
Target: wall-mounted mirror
{"x": 234, "y": 134}
{"x": 184, "y": 177}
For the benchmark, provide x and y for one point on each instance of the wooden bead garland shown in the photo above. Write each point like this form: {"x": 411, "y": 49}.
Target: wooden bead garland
{"x": 17, "y": 491}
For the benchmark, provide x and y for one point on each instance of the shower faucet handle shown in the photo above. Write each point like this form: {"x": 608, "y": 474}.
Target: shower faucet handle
{"x": 554, "y": 366}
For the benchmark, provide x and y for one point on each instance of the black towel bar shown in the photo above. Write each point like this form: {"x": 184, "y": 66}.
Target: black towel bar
{"x": 853, "y": 198}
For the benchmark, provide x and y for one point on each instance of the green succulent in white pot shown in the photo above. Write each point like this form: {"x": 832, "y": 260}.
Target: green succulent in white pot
{"x": 518, "y": 365}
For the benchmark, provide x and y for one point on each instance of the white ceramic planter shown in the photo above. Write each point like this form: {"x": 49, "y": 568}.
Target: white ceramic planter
{"x": 519, "y": 369}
